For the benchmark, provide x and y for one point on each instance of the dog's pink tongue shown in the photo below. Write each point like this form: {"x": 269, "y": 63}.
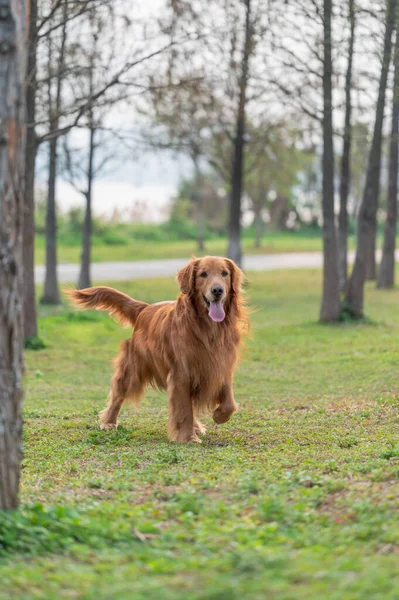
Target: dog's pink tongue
{"x": 216, "y": 311}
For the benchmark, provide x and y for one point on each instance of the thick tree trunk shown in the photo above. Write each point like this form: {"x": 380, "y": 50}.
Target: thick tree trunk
{"x": 30, "y": 317}
{"x": 345, "y": 163}
{"x": 13, "y": 20}
{"x": 84, "y": 276}
{"x": 234, "y": 250}
{"x": 368, "y": 210}
{"x": 51, "y": 294}
{"x": 330, "y": 306}
{"x": 386, "y": 275}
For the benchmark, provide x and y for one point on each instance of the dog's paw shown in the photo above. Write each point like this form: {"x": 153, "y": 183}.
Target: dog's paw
{"x": 199, "y": 428}
{"x": 222, "y": 416}
{"x": 184, "y": 438}
{"x": 108, "y": 426}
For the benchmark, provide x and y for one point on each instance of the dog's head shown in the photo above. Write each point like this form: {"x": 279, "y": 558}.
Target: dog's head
{"x": 213, "y": 283}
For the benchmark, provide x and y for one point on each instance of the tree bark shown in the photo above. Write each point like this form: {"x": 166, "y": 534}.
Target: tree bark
{"x": 371, "y": 264}
{"x": 51, "y": 294}
{"x": 345, "y": 162}
{"x": 354, "y": 297}
{"x": 234, "y": 250}
{"x": 84, "y": 276}
{"x": 30, "y": 317}
{"x": 386, "y": 275}
{"x": 330, "y": 306}
{"x": 13, "y": 19}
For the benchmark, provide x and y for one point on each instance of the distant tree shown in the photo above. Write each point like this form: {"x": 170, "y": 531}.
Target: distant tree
{"x": 56, "y": 106}
{"x": 13, "y": 55}
{"x": 386, "y": 275}
{"x": 183, "y": 112}
{"x": 272, "y": 167}
{"x": 360, "y": 147}
{"x": 305, "y": 56}
{"x": 212, "y": 195}
{"x": 229, "y": 34}
{"x": 354, "y": 297}
{"x": 30, "y": 318}
{"x": 345, "y": 174}
{"x": 83, "y": 165}
{"x": 234, "y": 250}
{"x": 45, "y": 19}
{"x": 330, "y": 304}
{"x": 371, "y": 265}
{"x": 56, "y": 75}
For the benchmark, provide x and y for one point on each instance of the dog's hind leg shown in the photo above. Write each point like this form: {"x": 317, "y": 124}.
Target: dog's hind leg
{"x": 117, "y": 394}
{"x": 125, "y": 384}
{"x": 199, "y": 427}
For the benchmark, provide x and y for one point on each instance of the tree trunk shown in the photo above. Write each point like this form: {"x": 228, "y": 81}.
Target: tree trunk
{"x": 84, "y": 276}
{"x": 368, "y": 210}
{"x": 30, "y": 317}
{"x": 371, "y": 264}
{"x": 345, "y": 163}
{"x": 51, "y": 294}
{"x": 386, "y": 276}
{"x": 330, "y": 306}
{"x": 234, "y": 250}
{"x": 13, "y": 19}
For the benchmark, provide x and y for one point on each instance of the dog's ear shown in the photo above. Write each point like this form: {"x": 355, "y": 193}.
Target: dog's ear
{"x": 237, "y": 277}
{"x": 186, "y": 276}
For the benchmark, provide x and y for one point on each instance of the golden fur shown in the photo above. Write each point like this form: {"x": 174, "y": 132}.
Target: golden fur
{"x": 177, "y": 347}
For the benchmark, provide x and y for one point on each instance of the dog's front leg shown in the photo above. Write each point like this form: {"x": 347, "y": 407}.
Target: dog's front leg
{"x": 181, "y": 417}
{"x": 227, "y": 407}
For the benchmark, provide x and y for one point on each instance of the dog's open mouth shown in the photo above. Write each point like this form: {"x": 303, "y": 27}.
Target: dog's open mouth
{"x": 215, "y": 309}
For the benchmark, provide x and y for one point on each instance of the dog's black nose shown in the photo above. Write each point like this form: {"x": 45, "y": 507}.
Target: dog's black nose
{"x": 217, "y": 291}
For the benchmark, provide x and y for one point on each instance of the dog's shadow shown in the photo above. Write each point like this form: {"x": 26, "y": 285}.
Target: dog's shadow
{"x": 136, "y": 435}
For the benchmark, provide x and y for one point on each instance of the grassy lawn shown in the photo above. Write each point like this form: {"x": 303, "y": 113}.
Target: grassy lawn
{"x": 296, "y": 497}
{"x": 140, "y": 250}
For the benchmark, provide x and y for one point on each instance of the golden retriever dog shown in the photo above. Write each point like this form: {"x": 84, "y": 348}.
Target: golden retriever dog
{"x": 188, "y": 347}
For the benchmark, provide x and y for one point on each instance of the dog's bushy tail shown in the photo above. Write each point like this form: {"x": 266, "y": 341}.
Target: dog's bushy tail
{"x": 119, "y": 305}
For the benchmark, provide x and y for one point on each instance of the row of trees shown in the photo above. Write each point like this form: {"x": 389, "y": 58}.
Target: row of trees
{"x": 79, "y": 71}
{"x": 219, "y": 82}
{"x": 256, "y": 70}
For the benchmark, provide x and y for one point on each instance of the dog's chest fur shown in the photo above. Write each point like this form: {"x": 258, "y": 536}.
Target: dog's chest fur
{"x": 208, "y": 357}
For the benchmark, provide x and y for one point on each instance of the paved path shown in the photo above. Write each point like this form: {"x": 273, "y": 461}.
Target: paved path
{"x": 117, "y": 271}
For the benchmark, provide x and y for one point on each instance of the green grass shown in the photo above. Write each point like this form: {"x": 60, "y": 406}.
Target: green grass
{"x": 142, "y": 250}
{"x": 296, "y": 497}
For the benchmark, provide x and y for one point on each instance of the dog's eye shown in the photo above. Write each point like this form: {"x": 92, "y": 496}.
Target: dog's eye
{"x": 224, "y": 273}
{"x": 203, "y": 274}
